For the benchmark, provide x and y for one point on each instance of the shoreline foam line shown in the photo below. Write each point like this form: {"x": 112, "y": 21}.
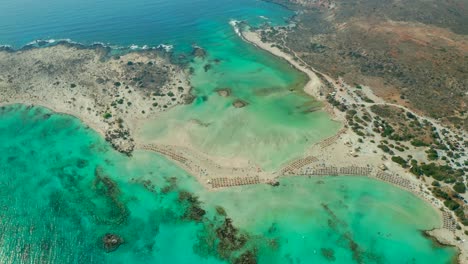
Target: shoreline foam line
{"x": 43, "y": 43}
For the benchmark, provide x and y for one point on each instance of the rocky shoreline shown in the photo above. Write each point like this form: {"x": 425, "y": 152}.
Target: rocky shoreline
{"x": 112, "y": 94}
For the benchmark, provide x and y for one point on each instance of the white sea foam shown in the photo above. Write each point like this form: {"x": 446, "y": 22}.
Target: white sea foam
{"x": 263, "y": 17}
{"x": 101, "y": 44}
{"x": 167, "y": 48}
{"x": 234, "y": 24}
{"x": 51, "y": 42}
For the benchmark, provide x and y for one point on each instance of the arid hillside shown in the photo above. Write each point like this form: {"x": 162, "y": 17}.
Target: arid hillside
{"x": 414, "y": 53}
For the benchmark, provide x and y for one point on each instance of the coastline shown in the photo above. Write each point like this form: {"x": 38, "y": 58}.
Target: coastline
{"x": 340, "y": 144}
{"x": 111, "y": 94}
{"x": 45, "y": 43}
{"x": 338, "y": 153}
{"x": 312, "y": 86}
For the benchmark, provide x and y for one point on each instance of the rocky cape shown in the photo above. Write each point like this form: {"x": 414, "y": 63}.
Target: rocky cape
{"x": 111, "y": 94}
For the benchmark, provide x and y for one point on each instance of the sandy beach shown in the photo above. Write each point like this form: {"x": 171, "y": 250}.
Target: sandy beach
{"x": 344, "y": 153}
{"x": 111, "y": 97}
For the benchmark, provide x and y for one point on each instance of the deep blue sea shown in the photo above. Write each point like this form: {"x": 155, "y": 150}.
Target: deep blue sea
{"x": 121, "y": 22}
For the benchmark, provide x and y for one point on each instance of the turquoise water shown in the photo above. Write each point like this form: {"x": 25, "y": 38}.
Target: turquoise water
{"x": 63, "y": 188}
{"x": 123, "y": 23}
{"x": 273, "y": 129}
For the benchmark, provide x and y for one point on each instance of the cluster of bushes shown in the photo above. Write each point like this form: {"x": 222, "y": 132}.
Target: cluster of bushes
{"x": 398, "y": 137}
{"x": 357, "y": 124}
{"x": 443, "y": 173}
{"x": 400, "y": 161}
{"x": 450, "y": 202}
{"x": 432, "y": 154}
{"x": 419, "y": 143}
{"x": 385, "y": 149}
{"x": 331, "y": 99}
{"x": 387, "y": 129}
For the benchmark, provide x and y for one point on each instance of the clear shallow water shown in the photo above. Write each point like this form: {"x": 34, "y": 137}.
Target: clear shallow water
{"x": 56, "y": 208}
{"x": 274, "y": 128}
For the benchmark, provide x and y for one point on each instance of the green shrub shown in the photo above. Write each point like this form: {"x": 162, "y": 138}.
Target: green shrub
{"x": 418, "y": 143}
{"x": 440, "y": 172}
{"x": 432, "y": 154}
{"x": 384, "y": 148}
{"x": 400, "y": 161}
{"x": 439, "y": 193}
{"x": 451, "y": 204}
{"x": 459, "y": 187}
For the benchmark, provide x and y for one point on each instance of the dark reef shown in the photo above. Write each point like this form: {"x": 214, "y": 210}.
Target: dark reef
{"x": 111, "y": 242}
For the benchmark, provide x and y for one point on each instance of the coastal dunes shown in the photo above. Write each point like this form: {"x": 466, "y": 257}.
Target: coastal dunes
{"x": 111, "y": 94}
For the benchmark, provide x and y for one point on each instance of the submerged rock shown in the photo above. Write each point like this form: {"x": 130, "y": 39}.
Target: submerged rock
{"x": 81, "y": 163}
{"x": 109, "y": 191}
{"x": 207, "y": 67}
{"x": 199, "y": 52}
{"x": 224, "y": 92}
{"x": 247, "y": 258}
{"x": 230, "y": 239}
{"x": 274, "y": 183}
{"x": 239, "y": 103}
{"x": 194, "y": 210}
{"x": 328, "y": 254}
{"x": 111, "y": 242}
{"x": 220, "y": 210}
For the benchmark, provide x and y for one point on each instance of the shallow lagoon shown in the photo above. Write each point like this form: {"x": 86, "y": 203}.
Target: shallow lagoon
{"x": 55, "y": 208}
{"x": 274, "y": 128}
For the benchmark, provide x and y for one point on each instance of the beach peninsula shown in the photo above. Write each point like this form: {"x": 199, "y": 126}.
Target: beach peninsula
{"x": 111, "y": 94}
